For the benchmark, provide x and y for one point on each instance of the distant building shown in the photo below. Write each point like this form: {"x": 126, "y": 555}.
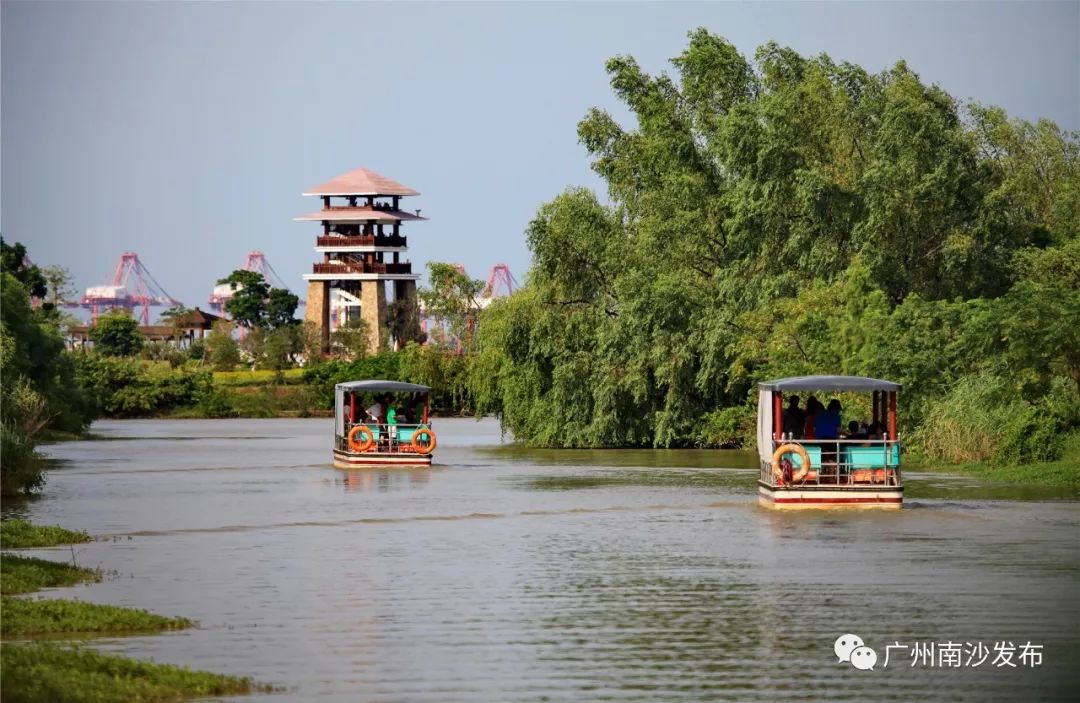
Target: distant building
{"x": 184, "y": 329}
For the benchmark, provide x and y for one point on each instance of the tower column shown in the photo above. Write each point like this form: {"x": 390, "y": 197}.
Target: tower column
{"x": 373, "y": 312}
{"x": 318, "y": 310}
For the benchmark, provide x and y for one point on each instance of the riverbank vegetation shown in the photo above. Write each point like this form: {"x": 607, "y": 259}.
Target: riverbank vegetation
{"x": 27, "y": 574}
{"x": 23, "y": 618}
{"x": 792, "y": 215}
{"x": 39, "y": 672}
{"x": 21, "y": 534}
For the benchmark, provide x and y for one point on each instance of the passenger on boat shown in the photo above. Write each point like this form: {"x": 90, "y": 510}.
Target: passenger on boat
{"x": 813, "y": 407}
{"x": 375, "y": 412}
{"x": 794, "y": 418}
{"x": 855, "y": 431}
{"x": 827, "y": 426}
{"x": 827, "y": 422}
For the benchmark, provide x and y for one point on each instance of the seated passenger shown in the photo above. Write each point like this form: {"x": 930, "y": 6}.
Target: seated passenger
{"x": 874, "y": 431}
{"x": 854, "y": 431}
{"x": 827, "y": 422}
{"x": 794, "y": 419}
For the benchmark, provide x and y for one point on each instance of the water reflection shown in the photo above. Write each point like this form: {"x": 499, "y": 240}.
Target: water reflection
{"x": 367, "y": 480}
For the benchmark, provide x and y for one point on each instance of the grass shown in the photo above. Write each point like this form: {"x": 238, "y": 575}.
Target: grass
{"x": 1065, "y": 473}
{"x": 23, "y": 617}
{"x": 20, "y": 534}
{"x": 41, "y": 672}
{"x": 26, "y": 574}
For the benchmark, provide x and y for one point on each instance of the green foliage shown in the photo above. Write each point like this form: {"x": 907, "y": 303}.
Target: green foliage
{"x": 221, "y": 350}
{"x": 36, "y": 673}
{"x": 247, "y": 306}
{"x": 38, "y": 390}
{"x": 280, "y": 308}
{"x": 403, "y": 323}
{"x": 793, "y": 216}
{"x": 984, "y": 417}
{"x": 24, "y": 617}
{"x": 444, "y": 371}
{"x": 128, "y": 388}
{"x": 349, "y": 342}
{"x": 196, "y": 351}
{"x": 452, "y": 298}
{"x": 27, "y": 574}
{"x": 20, "y": 534}
{"x": 255, "y": 304}
{"x": 322, "y": 377}
{"x": 116, "y": 334}
{"x": 13, "y": 261}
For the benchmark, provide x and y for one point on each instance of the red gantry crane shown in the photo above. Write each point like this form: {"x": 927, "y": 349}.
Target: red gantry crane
{"x": 130, "y": 287}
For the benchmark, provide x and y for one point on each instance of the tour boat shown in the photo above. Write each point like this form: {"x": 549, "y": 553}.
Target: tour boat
{"x": 828, "y": 473}
{"x": 361, "y": 441}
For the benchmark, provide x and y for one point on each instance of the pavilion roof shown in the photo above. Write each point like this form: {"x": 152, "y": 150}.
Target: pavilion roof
{"x": 358, "y": 214}
{"x": 361, "y": 182}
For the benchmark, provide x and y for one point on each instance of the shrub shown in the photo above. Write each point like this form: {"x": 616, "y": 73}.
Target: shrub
{"x": 126, "y": 388}
{"x": 986, "y": 418}
{"x": 729, "y": 427}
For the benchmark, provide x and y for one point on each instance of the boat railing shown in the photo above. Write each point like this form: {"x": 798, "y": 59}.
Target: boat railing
{"x": 387, "y": 437}
{"x": 842, "y": 462}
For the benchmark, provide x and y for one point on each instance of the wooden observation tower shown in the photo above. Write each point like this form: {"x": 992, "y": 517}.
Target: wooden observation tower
{"x": 362, "y": 247}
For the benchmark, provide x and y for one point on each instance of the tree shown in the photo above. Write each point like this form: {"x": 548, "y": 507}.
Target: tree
{"x": 280, "y": 308}
{"x": 255, "y": 304}
{"x": 116, "y": 333}
{"x": 13, "y": 260}
{"x": 176, "y": 318}
{"x": 222, "y": 351}
{"x": 59, "y": 283}
{"x": 452, "y": 298}
{"x": 403, "y": 323}
{"x": 349, "y": 342}
{"x": 38, "y": 386}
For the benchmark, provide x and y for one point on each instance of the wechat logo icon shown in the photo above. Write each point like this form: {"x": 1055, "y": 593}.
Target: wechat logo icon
{"x": 852, "y": 649}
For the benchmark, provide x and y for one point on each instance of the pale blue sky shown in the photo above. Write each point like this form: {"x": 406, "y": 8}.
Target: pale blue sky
{"x": 187, "y": 132}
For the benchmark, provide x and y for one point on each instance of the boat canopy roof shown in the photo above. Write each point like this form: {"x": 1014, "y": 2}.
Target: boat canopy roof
{"x": 829, "y": 383}
{"x": 375, "y": 386}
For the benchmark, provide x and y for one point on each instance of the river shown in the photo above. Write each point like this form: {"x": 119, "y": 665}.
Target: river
{"x": 507, "y": 574}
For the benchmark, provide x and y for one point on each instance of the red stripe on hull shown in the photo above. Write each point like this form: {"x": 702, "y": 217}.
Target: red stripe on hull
{"x": 838, "y": 501}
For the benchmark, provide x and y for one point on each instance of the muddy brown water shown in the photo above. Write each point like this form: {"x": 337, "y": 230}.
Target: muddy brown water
{"x": 507, "y": 574}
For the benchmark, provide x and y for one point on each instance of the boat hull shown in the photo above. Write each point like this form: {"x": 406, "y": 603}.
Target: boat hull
{"x": 353, "y": 460}
{"x": 809, "y": 497}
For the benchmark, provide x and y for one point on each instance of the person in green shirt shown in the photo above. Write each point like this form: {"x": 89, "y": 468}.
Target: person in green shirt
{"x": 391, "y": 420}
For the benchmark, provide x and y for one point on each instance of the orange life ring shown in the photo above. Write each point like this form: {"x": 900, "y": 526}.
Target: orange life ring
{"x": 430, "y": 447}
{"x": 366, "y": 444}
{"x": 783, "y": 449}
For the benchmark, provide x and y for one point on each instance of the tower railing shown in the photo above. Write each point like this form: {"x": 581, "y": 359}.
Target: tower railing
{"x": 363, "y": 240}
{"x": 377, "y": 268}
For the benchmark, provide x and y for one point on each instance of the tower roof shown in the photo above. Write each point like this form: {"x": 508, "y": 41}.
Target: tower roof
{"x": 361, "y": 182}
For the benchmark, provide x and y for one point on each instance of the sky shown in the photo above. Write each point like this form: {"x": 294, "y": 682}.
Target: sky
{"x": 186, "y": 132}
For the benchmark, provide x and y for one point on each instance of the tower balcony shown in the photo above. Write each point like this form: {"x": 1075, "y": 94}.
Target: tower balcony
{"x": 363, "y": 240}
{"x": 339, "y": 267}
